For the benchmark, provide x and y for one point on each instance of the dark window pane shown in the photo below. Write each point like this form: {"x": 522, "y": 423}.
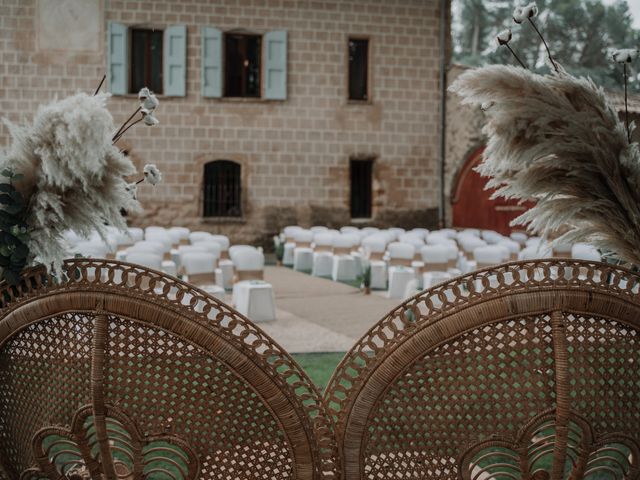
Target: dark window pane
{"x": 358, "y": 69}
{"x": 222, "y": 189}
{"x": 361, "y": 182}
{"x": 242, "y": 65}
{"x": 146, "y": 60}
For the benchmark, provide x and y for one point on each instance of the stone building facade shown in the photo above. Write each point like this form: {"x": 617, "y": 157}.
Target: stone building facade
{"x": 291, "y": 150}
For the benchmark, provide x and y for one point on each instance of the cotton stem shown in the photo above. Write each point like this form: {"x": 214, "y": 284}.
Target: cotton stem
{"x": 119, "y": 136}
{"x": 125, "y": 124}
{"x": 104, "y": 77}
{"x": 516, "y": 56}
{"x": 545, "y": 45}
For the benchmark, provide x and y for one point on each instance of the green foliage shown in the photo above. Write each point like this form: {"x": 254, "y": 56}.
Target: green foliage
{"x": 279, "y": 250}
{"x": 580, "y": 34}
{"x": 365, "y": 276}
{"x": 14, "y": 236}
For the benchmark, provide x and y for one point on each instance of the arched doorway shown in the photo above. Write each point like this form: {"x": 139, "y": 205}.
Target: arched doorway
{"x": 472, "y": 206}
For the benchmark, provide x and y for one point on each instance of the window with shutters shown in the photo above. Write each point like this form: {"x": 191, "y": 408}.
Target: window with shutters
{"x": 361, "y": 188}
{"x": 222, "y": 189}
{"x": 147, "y": 57}
{"x": 358, "y": 69}
{"x": 237, "y": 64}
{"x": 242, "y": 65}
{"x": 146, "y": 60}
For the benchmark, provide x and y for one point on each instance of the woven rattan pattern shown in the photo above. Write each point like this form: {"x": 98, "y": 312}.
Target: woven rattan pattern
{"x": 481, "y": 357}
{"x": 33, "y": 364}
{"x": 177, "y": 360}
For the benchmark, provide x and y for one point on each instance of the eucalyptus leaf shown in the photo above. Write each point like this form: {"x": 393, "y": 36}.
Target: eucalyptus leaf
{"x": 6, "y": 188}
{"x": 13, "y": 208}
{"x": 20, "y": 253}
{"x": 7, "y": 173}
{"x": 11, "y": 277}
{"x": 17, "y": 197}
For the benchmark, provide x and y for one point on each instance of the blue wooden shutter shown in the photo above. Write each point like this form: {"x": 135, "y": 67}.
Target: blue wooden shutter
{"x": 275, "y": 70}
{"x": 117, "y": 58}
{"x": 175, "y": 61}
{"x": 211, "y": 62}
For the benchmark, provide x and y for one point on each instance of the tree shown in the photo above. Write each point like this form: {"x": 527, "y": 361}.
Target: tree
{"x": 581, "y": 35}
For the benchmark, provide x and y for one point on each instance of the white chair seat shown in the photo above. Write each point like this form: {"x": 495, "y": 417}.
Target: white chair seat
{"x": 399, "y": 277}
{"x": 169, "y": 267}
{"x": 378, "y": 274}
{"x": 254, "y": 299}
{"x": 287, "y": 257}
{"x": 214, "y": 291}
{"x": 322, "y": 264}
{"x": 303, "y": 259}
{"x": 224, "y": 274}
{"x": 344, "y": 268}
{"x": 357, "y": 256}
{"x": 429, "y": 279}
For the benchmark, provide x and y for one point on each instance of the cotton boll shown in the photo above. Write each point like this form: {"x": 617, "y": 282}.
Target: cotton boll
{"x": 504, "y": 37}
{"x": 625, "y": 55}
{"x": 152, "y": 174}
{"x": 143, "y": 93}
{"x": 148, "y": 99}
{"x": 150, "y": 120}
{"x": 520, "y": 14}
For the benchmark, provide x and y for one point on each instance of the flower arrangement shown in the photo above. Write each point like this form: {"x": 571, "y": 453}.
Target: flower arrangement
{"x": 278, "y": 247}
{"x": 64, "y": 171}
{"x": 365, "y": 277}
{"x": 555, "y": 139}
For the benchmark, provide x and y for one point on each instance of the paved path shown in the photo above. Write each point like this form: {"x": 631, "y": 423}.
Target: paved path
{"x": 318, "y": 315}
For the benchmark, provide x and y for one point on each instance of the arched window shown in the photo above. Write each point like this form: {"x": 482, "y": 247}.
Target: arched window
{"x": 222, "y": 189}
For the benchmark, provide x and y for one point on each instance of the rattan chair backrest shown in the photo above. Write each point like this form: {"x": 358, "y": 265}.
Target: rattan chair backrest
{"x": 528, "y": 370}
{"x": 123, "y": 372}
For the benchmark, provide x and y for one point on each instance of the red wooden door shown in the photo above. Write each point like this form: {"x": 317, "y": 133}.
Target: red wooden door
{"x": 472, "y": 206}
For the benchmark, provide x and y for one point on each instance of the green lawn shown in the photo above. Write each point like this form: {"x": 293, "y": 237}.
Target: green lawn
{"x": 319, "y": 366}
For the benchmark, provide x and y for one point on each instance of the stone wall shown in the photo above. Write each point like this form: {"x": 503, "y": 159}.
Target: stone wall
{"x": 294, "y": 153}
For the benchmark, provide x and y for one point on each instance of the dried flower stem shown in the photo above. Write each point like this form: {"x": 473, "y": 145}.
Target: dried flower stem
{"x": 626, "y": 108}
{"x": 545, "y": 45}
{"x": 104, "y": 77}
{"x": 119, "y": 136}
{"x": 119, "y": 132}
{"x": 516, "y": 56}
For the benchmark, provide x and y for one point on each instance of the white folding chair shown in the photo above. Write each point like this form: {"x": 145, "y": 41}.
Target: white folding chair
{"x": 322, "y": 254}
{"x": 400, "y": 272}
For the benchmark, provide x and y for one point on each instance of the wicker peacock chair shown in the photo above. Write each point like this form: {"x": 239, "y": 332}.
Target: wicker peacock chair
{"x": 122, "y": 372}
{"x": 524, "y": 371}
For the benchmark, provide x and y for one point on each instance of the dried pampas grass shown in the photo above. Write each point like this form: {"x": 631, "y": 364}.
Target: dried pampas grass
{"x": 556, "y": 140}
{"x": 73, "y": 175}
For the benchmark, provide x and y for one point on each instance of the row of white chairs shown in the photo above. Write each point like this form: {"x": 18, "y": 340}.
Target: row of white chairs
{"x": 201, "y": 258}
{"x": 398, "y": 257}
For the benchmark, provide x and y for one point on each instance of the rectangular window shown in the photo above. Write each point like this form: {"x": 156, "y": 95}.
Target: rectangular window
{"x": 361, "y": 188}
{"x": 146, "y": 60}
{"x": 358, "y": 69}
{"x": 242, "y": 65}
